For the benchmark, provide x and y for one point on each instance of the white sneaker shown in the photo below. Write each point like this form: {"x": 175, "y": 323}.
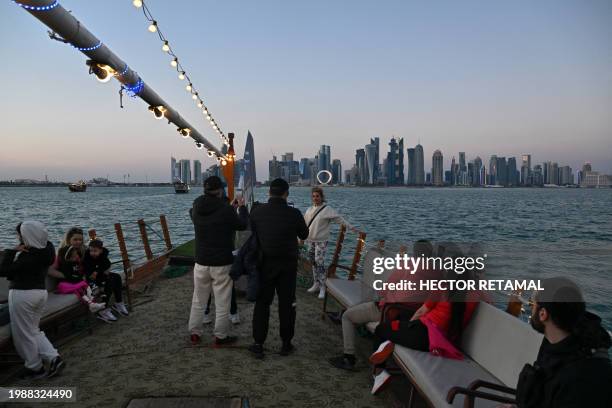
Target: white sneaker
{"x": 207, "y": 318}
{"x": 107, "y": 316}
{"x": 234, "y": 318}
{"x": 121, "y": 309}
{"x": 87, "y": 299}
{"x": 315, "y": 286}
{"x": 89, "y": 293}
{"x": 322, "y": 292}
{"x": 380, "y": 381}
{"x": 96, "y": 307}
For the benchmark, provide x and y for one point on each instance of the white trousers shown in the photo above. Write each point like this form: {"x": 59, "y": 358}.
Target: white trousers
{"x": 205, "y": 280}
{"x": 26, "y": 308}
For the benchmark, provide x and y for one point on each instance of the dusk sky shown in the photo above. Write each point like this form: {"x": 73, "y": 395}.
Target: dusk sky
{"x": 484, "y": 77}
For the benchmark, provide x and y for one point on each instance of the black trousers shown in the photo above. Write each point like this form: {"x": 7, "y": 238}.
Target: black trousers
{"x": 411, "y": 334}
{"x": 277, "y": 277}
{"x": 112, "y": 285}
{"x": 233, "y": 305}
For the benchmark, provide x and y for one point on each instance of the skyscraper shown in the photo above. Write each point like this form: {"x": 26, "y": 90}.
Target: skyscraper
{"x": 336, "y": 170}
{"x": 197, "y": 172}
{"x": 526, "y": 170}
{"x": 274, "y": 169}
{"x": 419, "y": 161}
{"x": 501, "y": 176}
{"x": 361, "y": 167}
{"x": 172, "y": 169}
{"x": 437, "y": 169}
{"x": 462, "y": 166}
{"x": 477, "y": 178}
{"x": 411, "y": 167}
{"x": 186, "y": 171}
{"x": 371, "y": 163}
{"x": 324, "y": 158}
{"x": 513, "y": 174}
{"x": 394, "y": 170}
{"x": 492, "y": 170}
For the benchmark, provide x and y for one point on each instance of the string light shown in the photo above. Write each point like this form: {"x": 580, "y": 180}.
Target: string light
{"x": 158, "y": 111}
{"x": 125, "y": 71}
{"x": 185, "y": 132}
{"x": 38, "y": 8}
{"x": 154, "y": 28}
{"x": 210, "y": 153}
{"x": 133, "y": 90}
{"x": 102, "y": 72}
{"x": 93, "y": 47}
{"x": 199, "y": 145}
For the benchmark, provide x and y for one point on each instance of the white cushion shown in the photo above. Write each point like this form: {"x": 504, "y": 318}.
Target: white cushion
{"x": 500, "y": 342}
{"x": 56, "y": 302}
{"x": 435, "y": 375}
{"x": 347, "y": 292}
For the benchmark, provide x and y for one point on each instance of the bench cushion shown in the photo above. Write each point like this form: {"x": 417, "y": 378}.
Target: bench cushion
{"x": 56, "y": 302}
{"x": 500, "y": 342}
{"x": 435, "y": 376}
{"x": 347, "y": 292}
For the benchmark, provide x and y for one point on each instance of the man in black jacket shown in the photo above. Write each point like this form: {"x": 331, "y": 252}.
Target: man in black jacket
{"x": 215, "y": 222}
{"x": 572, "y": 368}
{"x": 277, "y": 226}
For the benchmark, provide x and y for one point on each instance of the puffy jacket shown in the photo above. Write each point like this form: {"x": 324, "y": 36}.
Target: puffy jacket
{"x": 246, "y": 263}
{"x": 99, "y": 264}
{"x": 215, "y": 222}
{"x": 29, "y": 269}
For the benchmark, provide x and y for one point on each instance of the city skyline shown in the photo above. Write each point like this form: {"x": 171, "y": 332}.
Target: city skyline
{"x": 478, "y": 78}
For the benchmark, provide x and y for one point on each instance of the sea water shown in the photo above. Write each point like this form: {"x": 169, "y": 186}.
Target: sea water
{"x": 527, "y": 233}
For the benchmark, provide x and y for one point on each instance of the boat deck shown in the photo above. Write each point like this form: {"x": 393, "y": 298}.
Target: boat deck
{"x": 148, "y": 354}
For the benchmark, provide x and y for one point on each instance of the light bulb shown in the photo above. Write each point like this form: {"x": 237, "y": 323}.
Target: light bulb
{"x": 199, "y": 145}
{"x": 194, "y": 97}
{"x": 174, "y": 62}
{"x": 165, "y": 47}
{"x": 215, "y": 127}
{"x": 199, "y": 104}
{"x": 182, "y": 75}
{"x": 224, "y": 162}
{"x": 137, "y": 3}
{"x": 153, "y": 26}
{"x": 188, "y": 87}
{"x": 208, "y": 117}
{"x": 205, "y": 111}
{"x": 210, "y": 153}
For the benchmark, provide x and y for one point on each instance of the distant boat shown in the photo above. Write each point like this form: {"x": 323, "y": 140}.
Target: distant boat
{"x": 78, "y": 187}
{"x": 180, "y": 187}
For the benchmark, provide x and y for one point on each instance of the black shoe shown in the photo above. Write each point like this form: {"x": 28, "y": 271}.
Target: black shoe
{"x": 257, "y": 350}
{"x": 31, "y": 375}
{"x": 225, "y": 341}
{"x": 287, "y": 349}
{"x": 56, "y": 366}
{"x": 344, "y": 362}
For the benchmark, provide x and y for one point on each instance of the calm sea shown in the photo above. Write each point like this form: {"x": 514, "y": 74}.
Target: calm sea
{"x": 526, "y": 233}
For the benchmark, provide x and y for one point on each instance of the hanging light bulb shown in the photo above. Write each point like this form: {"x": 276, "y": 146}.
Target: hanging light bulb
{"x": 215, "y": 127}
{"x": 185, "y": 132}
{"x": 174, "y": 62}
{"x": 200, "y": 104}
{"x": 166, "y": 46}
{"x": 158, "y": 111}
{"x": 223, "y": 162}
{"x": 210, "y": 153}
{"x": 194, "y": 96}
{"x": 137, "y": 3}
{"x": 182, "y": 75}
{"x": 188, "y": 87}
{"x": 102, "y": 72}
{"x": 205, "y": 111}
{"x": 153, "y": 26}
{"x": 199, "y": 145}
{"x": 207, "y": 117}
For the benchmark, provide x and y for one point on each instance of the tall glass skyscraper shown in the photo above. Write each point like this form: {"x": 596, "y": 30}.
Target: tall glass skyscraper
{"x": 419, "y": 162}
{"x": 411, "y": 181}
{"x": 437, "y": 169}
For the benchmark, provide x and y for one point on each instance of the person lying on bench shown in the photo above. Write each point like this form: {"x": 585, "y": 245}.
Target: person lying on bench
{"x": 367, "y": 312}
{"x": 435, "y": 327}
{"x": 573, "y": 366}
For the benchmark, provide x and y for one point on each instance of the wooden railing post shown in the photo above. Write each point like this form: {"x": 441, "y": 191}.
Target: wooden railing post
{"x": 331, "y": 271}
{"x": 145, "y": 239}
{"x": 165, "y": 231}
{"x": 125, "y": 260}
{"x": 357, "y": 256}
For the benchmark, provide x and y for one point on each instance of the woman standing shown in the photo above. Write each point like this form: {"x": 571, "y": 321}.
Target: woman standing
{"x": 318, "y": 218}
{"x": 26, "y": 268}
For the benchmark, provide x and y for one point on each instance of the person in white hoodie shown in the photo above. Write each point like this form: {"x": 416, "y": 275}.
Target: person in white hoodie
{"x": 319, "y": 218}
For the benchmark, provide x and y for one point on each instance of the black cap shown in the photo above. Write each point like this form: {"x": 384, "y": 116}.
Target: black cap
{"x": 213, "y": 183}
{"x": 96, "y": 243}
{"x": 278, "y": 187}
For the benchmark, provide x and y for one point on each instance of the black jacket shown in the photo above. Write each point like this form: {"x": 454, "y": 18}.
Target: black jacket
{"x": 568, "y": 376}
{"x": 100, "y": 264}
{"x": 278, "y": 227}
{"x": 246, "y": 263}
{"x": 29, "y": 270}
{"x": 215, "y": 222}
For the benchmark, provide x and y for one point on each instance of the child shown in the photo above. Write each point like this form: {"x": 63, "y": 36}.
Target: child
{"x": 69, "y": 264}
{"x": 97, "y": 269}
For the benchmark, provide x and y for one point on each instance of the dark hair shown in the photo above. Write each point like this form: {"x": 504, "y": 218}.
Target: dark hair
{"x": 69, "y": 252}
{"x": 96, "y": 243}
{"x": 278, "y": 187}
{"x": 212, "y": 184}
{"x": 18, "y": 228}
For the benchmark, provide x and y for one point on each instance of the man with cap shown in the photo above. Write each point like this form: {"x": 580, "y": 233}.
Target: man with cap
{"x": 215, "y": 221}
{"x": 278, "y": 226}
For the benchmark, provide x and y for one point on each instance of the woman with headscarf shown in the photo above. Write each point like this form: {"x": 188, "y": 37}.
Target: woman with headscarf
{"x": 26, "y": 268}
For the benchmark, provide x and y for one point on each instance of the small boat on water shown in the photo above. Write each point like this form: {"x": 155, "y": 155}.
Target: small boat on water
{"x": 180, "y": 187}
{"x": 78, "y": 187}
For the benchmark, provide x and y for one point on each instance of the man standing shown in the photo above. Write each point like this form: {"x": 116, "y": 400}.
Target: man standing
{"x": 215, "y": 222}
{"x": 278, "y": 226}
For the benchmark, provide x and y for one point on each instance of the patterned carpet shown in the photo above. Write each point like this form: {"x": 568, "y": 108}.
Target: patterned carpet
{"x": 148, "y": 354}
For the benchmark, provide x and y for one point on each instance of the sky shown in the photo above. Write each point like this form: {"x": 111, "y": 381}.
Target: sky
{"x": 503, "y": 77}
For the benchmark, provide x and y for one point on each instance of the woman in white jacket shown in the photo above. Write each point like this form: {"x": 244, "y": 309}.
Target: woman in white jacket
{"x": 319, "y": 217}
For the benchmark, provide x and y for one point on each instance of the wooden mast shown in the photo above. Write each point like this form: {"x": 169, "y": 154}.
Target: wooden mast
{"x": 228, "y": 169}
